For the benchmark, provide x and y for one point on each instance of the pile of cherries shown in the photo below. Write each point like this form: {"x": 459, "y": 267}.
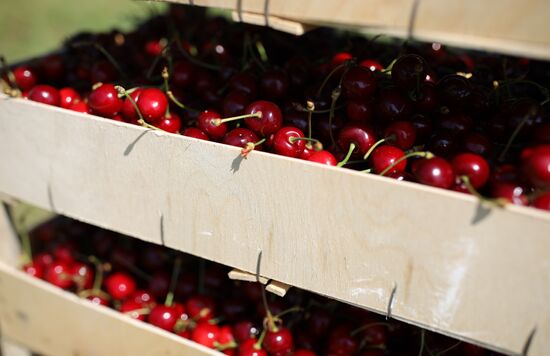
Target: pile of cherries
{"x": 470, "y": 122}
{"x": 194, "y": 299}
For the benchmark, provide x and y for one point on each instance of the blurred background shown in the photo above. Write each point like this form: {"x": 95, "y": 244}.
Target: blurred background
{"x": 30, "y": 28}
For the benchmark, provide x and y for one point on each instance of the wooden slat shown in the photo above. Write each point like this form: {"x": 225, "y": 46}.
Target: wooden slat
{"x": 239, "y": 275}
{"x": 459, "y": 269}
{"x": 53, "y": 322}
{"x": 10, "y": 248}
{"x": 508, "y": 26}
{"x": 277, "y": 288}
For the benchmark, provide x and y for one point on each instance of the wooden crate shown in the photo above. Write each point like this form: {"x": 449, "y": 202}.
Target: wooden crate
{"x": 458, "y": 268}
{"x": 508, "y": 26}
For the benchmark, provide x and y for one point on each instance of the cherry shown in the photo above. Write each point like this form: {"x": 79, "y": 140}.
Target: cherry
{"x": 319, "y": 322}
{"x": 541, "y": 134}
{"x": 250, "y": 348}
{"x": 361, "y": 136}
{"x": 164, "y": 317}
{"x": 183, "y": 74}
{"x": 52, "y": 67}
{"x": 235, "y": 102}
{"x": 384, "y": 156}
{"x": 340, "y": 58}
{"x": 45, "y": 94}
{"x": 186, "y": 285}
{"x": 341, "y": 342}
{"x": 401, "y": 134}
{"x": 454, "y": 90}
{"x": 372, "y": 64}
{"x": 536, "y": 166}
{"x": 359, "y": 83}
{"x": 82, "y": 274}
{"x": 103, "y": 72}
{"x": 435, "y": 171}
{"x": 80, "y": 106}
{"x": 205, "y": 123}
{"x": 244, "y": 330}
{"x": 392, "y": 105}
{"x": 513, "y": 192}
{"x": 426, "y": 100}
{"x": 154, "y": 48}
{"x": 159, "y": 283}
{"x": 120, "y": 285}
{"x": 206, "y": 334}
{"x": 132, "y": 308}
{"x": 152, "y": 104}
{"x": 104, "y": 101}
{"x": 423, "y": 128}
{"x": 170, "y": 123}
{"x": 323, "y": 157}
{"x": 409, "y": 71}
{"x": 542, "y": 201}
{"x": 478, "y": 143}
{"x": 269, "y": 121}
{"x": 43, "y": 260}
{"x": 240, "y": 137}
{"x": 304, "y": 352}
{"x": 456, "y": 124}
{"x": 195, "y": 133}
{"x": 64, "y": 252}
{"x": 200, "y": 308}
{"x": 286, "y": 144}
{"x": 274, "y": 84}
{"x": 225, "y": 337}
{"x": 376, "y": 335}
{"x": 98, "y": 300}
{"x": 25, "y": 77}
{"x": 142, "y": 297}
{"x": 34, "y": 269}
{"x": 59, "y": 274}
{"x": 68, "y": 96}
{"x": 443, "y": 144}
{"x": 128, "y": 110}
{"x": 245, "y": 82}
{"x": 359, "y": 110}
{"x": 473, "y": 166}
{"x": 278, "y": 341}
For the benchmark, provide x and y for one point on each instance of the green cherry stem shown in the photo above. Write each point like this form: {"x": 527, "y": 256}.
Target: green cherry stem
{"x": 288, "y": 311}
{"x": 422, "y": 341}
{"x": 250, "y": 146}
{"x": 518, "y": 128}
{"x": 258, "y": 344}
{"x": 310, "y": 107}
{"x": 194, "y": 60}
{"x": 424, "y": 154}
{"x": 261, "y": 51}
{"x": 172, "y": 97}
{"x": 370, "y": 325}
{"x": 141, "y": 120}
{"x": 348, "y": 155}
{"x": 497, "y": 202}
{"x": 327, "y": 78}
{"x": 373, "y": 147}
{"x": 175, "y": 274}
{"x": 218, "y": 122}
{"x": 11, "y": 77}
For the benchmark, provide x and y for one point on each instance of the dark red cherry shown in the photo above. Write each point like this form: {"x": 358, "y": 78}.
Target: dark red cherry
{"x": 473, "y": 166}
{"x": 45, "y": 94}
{"x": 200, "y": 308}
{"x": 244, "y": 330}
{"x": 542, "y": 201}
{"x": 526, "y": 112}
{"x": 278, "y": 342}
{"x": 159, "y": 284}
{"x": 423, "y": 126}
{"x": 359, "y": 83}
{"x": 205, "y": 123}
{"x": 436, "y": 172}
{"x": 283, "y": 143}
{"x": 234, "y": 103}
{"x": 59, "y": 274}
{"x": 401, "y": 134}
{"x": 409, "y": 71}
{"x": 478, "y": 143}
{"x": 319, "y": 322}
{"x": 536, "y": 166}
{"x": 443, "y": 144}
{"x": 195, "y": 133}
{"x": 274, "y": 84}
{"x": 511, "y": 191}
{"x": 133, "y": 309}
{"x": 103, "y": 72}
{"x": 68, "y": 96}
{"x": 340, "y": 341}
{"x": 33, "y": 269}
{"x": 245, "y": 82}
{"x": 182, "y": 74}
{"x": 505, "y": 173}
{"x": 340, "y": 58}
{"x": 164, "y": 317}
{"x": 541, "y": 134}
{"x": 361, "y": 135}
{"x": 82, "y": 274}
{"x": 456, "y": 124}
{"x": 249, "y": 348}
{"x": 104, "y": 101}
{"x": 64, "y": 252}
{"x": 270, "y": 121}
{"x": 360, "y": 110}
{"x": 206, "y": 334}
{"x": 240, "y": 137}
{"x": 25, "y": 77}
{"x": 52, "y": 67}
{"x": 454, "y": 91}
{"x": 120, "y": 285}
{"x": 426, "y": 99}
{"x": 384, "y": 156}
{"x": 43, "y": 260}
{"x": 372, "y": 64}
{"x": 152, "y": 104}
{"x": 323, "y": 157}
{"x": 392, "y": 105}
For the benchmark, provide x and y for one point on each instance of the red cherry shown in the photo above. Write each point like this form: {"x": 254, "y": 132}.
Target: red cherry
{"x": 304, "y": 353}
{"x": 170, "y": 123}
{"x": 225, "y": 335}
{"x": 359, "y": 83}
{"x": 536, "y": 166}
{"x": 120, "y": 285}
{"x": 80, "y": 106}
{"x": 52, "y": 67}
{"x": 98, "y": 300}
{"x": 183, "y": 74}
{"x": 130, "y": 307}
{"x": 25, "y": 77}
{"x": 361, "y": 135}
{"x": 323, "y": 157}
{"x": 270, "y": 121}
{"x": 278, "y": 342}
{"x": 340, "y": 341}
{"x": 436, "y": 172}
{"x": 128, "y": 110}
{"x": 104, "y": 101}
{"x": 64, "y": 252}
{"x": 205, "y": 123}
{"x": 186, "y": 285}
{"x": 154, "y": 48}
{"x": 68, "y": 97}
{"x": 59, "y": 274}
{"x": 195, "y": 133}
{"x": 283, "y": 143}
{"x": 401, "y": 134}
{"x": 513, "y": 192}
{"x": 240, "y": 137}
{"x": 152, "y": 104}
{"x": 159, "y": 284}
{"x": 200, "y": 308}
{"x": 142, "y": 297}
{"x": 542, "y": 201}
{"x": 82, "y": 274}
{"x": 423, "y": 126}
{"x": 205, "y": 334}
{"x": 473, "y": 166}
{"x": 244, "y": 330}
{"x": 372, "y": 64}
{"x": 384, "y": 156}
{"x": 249, "y": 348}
{"x": 376, "y": 335}
{"x": 359, "y": 110}
{"x": 340, "y": 58}
{"x": 45, "y": 94}
{"x": 43, "y": 260}
{"x": 33, "y": 269}
{"x": 164, "y": 317}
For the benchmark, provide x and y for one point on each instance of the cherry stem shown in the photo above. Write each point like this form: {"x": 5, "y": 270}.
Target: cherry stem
{"x": 370, "y": 325}
{"x": 248, "y": 46}
{"x": 25, "y": 239}
{"x": 141, "y": 120}
{"x": 348, "y": 155}
{"x": 373, "y": 147}
{"x": 310, "y": 107}
{"x": 299, "y": 107}
{"x": 389, "y": 67}
{"x": 140, "y": 311}
{"x": 544, "y": 91}
{"x": 293, "y": 139}
{"x": 498, "y": 202}
{"x": 422, "y": 337}
{"x": 11, "y": 77}
{"x": 93, "y": 292}
{"x": 448, "y": 349}
{"x": 105, "y": 53}
{"x": 425, "y": 154}
{"x": 334, "y": 98}
{"x": 194, "y": 60}
{"x": 177, "y": 102}
{"x": 502, "y": 155}
{"x": 327, "y": 78}
{"x": 288, "y": 311}
{"x": 175, "y": 273}
{"x": 218, "y": 122}
{"x": 258, "y": 344}
{"x": 98, "y": 279}
{"x": 163, "y": 53}
{"x": 250, "y": 146}
{"x": 261, "y": 50}
{"x": 222, "y": 347}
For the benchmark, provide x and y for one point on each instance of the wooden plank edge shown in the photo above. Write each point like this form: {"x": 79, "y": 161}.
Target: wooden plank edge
{"x": 240, "y": 275}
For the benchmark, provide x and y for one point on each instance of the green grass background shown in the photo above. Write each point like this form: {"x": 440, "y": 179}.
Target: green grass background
{"x": 29, "y": 28}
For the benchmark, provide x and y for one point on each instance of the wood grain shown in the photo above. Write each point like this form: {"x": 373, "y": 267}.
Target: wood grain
{"x": 460, "y": 269}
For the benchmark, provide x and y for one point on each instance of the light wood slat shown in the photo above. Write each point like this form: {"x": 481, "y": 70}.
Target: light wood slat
{"x": 477, "y": 274}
